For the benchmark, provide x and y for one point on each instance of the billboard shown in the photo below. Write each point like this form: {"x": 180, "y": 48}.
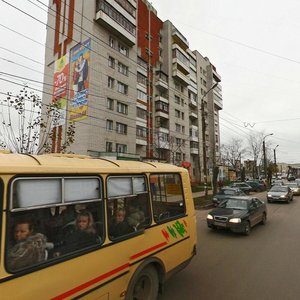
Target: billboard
{"x": 79, "y": 81}
{"x": 60, "y": 87}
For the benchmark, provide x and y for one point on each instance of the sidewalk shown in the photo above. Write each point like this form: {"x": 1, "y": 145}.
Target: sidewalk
{"x": 202, "y": 194}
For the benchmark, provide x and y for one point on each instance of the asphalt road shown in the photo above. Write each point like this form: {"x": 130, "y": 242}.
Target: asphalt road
{"x": 262, "y": 266}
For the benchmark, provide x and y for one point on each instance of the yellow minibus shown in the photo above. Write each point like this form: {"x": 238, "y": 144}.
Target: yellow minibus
{"x": 75, "y": 227}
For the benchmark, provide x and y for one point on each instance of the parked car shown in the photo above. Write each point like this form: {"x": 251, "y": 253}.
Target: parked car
{"x": 280, "y": 193}
{"x": 243, "y": 186}
{"x": 256, "y": 186}
{"x": 294, "y": 186}
{"x": 277, "y": 182}
{"x": 225, "y": 193}
{"x": 291, "y": 178}
{"x": 238, "y": 214}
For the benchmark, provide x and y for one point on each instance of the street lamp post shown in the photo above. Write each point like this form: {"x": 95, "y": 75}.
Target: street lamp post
{"x": 204, "y": 139}
{"x": 264, "y": 152}
{"x": 275, "y": 161}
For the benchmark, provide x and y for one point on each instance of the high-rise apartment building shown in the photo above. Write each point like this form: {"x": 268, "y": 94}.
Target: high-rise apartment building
{"x": 130, "y": 84}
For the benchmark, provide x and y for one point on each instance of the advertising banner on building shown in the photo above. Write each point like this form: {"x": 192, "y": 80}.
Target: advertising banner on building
{"x": 60, "y": 88}
{"x": 79, "y": 83}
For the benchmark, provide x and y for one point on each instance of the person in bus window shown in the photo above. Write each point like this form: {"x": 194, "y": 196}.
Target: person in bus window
{"x": 83, "y": 235}
{"x": 119, "y": 225}
{"x": 136, "y": 217}
{"x": 28, "y": 248}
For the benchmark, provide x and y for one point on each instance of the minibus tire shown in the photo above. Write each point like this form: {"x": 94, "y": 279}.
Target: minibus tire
{"x": 144, "y": 285}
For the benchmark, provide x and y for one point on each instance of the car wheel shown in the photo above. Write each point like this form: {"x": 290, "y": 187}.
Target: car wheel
{"x": 247, "y": 228}
{"x": 269, "y": 201}
{"x": 264, "y": 219}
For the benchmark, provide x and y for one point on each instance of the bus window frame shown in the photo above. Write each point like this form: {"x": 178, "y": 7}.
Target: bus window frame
{"x": 62, "y": 203}
{"x": 146, "y": 192}
{"x": 184, "y": 214}
{"x": 57, "y": 260}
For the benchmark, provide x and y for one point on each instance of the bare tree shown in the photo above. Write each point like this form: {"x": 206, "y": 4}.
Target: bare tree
{"x": 23, "y": 129}
{"x": 232, "y": 153}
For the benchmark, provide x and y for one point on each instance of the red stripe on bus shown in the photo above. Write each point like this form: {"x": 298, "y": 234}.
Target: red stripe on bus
{"x": 148, "y": 250}
{"x": 89, "y": 283}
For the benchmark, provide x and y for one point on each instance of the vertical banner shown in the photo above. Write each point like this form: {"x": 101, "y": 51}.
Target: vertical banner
{"x": 80, "y": 61}
{"x": 60, "y": 87}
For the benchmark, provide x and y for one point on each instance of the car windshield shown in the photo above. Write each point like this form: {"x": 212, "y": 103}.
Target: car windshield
{"x": 279, "y": 189}
{"x": 236, "y": 204}
{"x": 228, "y": 192}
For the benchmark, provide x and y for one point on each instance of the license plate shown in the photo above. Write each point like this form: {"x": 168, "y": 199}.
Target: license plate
{"x": 221, "y": 224}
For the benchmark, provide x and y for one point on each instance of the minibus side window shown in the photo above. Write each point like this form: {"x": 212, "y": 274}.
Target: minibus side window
{"x": 128, "y": 205}
{"x": 167, "y": 196}
{"x": 50, "y": 218}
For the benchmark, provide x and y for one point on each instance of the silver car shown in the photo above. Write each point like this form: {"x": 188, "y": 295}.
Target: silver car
{"x": 294, "y": 187}
{"x": 280, "y": 193}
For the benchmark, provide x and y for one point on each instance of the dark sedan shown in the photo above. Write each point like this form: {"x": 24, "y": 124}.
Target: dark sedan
{"x": 225, "y": 193}
{"x": 243, "y": 186}
{"x": 239, "y": 214}
{"x": 256, "y": 186}
{"x": 280, "y": 193}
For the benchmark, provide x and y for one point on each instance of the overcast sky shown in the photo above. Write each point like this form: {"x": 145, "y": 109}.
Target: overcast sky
{"x": 253, "y": 44}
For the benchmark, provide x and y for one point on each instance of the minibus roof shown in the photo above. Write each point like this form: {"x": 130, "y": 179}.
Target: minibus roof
{"x": 71, "y": 163}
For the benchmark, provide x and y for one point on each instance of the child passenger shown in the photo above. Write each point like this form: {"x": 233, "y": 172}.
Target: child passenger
{"x": 84, "y": 234}
{"x": 28, "y": 248}
{"x": 119, "y": 225}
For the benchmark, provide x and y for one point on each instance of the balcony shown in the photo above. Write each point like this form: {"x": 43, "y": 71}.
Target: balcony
{"x": 111, "y": 18}
{"x": 162, "y": 114}
{"x": 193, "y": 115}
{"x": 194, "y": 151}
{"x": 141, "y": 141}
{"x": 180, "y": 76}
{"x": 192, "y": 103}
{"x": 162, "y": 81}
{"x": 162, "y": 99}
{"x": 179, "y": 39}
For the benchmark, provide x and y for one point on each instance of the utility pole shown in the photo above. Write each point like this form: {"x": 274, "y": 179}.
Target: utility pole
{"x": 204, "y": 139}
{"x": 275, "y": 161}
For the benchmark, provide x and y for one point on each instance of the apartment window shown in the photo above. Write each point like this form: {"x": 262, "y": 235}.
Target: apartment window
{"x": 180, "y": 56}
{"x": 110, "y": 104}
{"x": 123, "y": 69}
{"x": 122, "y": 88}
{"x": 141, "y": 95}
{"x": 182, "y": 115}
{"x": 141, "y": 131}
{"x": 111, "y": 62}
{"x": 142, "y": 63}
{"x": 183, "y": 129}
{"x": 178, "y": 141}
{"x": 182, "y": 102}
{"x": 123, "y": 50}
{"x": 141, "y": 79}
{"x": 122, "y": 108}
{"x": 141, "y": 113}
{"x": 177, "y": 99}
{"x": 127, "y": 6}
{"x": 177, "y": 113}
{"x": 204, "y": 82}
{"x": 111, "y": 42}
{"x": 111, "y": 82}
{"x": 178, "y": 156}
{"x": 177, "y": 127}
{"x": 121, "y": 148}
{"x": 109, "y": 125}
{"x": 109, "y": 146}
{"x": 162, "y": 106}
{"x": 121, "y": 128}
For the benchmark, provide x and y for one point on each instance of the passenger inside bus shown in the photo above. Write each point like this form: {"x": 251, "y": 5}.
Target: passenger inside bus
{"x": 136, "y": 217}
{"x": 27, "y": 247}
{"x": 80, "y": 235}
{"x": 119, "y": 225}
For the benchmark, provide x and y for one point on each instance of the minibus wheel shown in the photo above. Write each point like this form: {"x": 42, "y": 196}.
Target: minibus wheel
{"x": 144, "y": 285}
